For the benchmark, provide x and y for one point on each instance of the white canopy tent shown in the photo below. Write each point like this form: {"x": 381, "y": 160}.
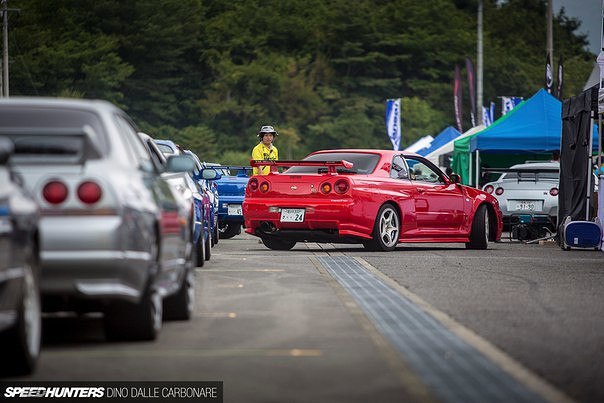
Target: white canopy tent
{"x": 448, "y": 147}
{"x": 419, "y": 144}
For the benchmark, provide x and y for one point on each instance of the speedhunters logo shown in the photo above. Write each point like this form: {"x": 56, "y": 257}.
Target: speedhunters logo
{"x": 102, "y": 391}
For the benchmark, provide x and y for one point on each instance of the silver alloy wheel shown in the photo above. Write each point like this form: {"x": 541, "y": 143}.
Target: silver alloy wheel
{"x": 31, "y": 314}
{"x": 190, "y": 282}
{"x": 389, "y": 227}
{"x": 156, "y": 310}
{"x": 486, "y": 227}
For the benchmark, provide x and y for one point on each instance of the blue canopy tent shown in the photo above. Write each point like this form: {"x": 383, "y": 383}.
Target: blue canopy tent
{"x": 531, "y": 131}
{"x": 448, "y": 134}
{"x": 536, "y": 126}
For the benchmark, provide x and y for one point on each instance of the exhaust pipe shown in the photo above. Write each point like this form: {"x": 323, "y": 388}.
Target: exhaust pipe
{"x": 267, "y": 227}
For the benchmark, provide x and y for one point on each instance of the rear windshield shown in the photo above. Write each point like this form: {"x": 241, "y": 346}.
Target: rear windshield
{"x": 18, "y": 117}
{"x": 166, "y": 149}
{"x": 362, "y": 163}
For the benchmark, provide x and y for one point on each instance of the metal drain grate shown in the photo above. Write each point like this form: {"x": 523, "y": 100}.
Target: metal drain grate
{"x": 454, "y": 370}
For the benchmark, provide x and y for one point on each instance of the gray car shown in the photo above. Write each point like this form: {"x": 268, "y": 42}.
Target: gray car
{"x": 529, "y": 189}
{"x": 20, "y": 324}
{"x": 112, "y": 237}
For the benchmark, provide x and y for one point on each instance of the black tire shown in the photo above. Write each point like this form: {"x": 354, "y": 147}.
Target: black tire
{"x": 20, "y": 345}
{"x": 479, "y": 235}
{"x": 208, "y": 248}
{"x": 130, "y": 321}
{"x": 200, "y": 251}
{"x": 137, "y": 321}
{"x": 215, "y": 233}
{"x": 386, "y": 230}
{"x": 230, "y": 230}
{"x": 180, "y": 306}
{"x": 278, "y": 244}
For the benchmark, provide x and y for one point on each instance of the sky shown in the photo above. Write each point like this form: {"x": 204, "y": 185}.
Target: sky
{"x": 589, "y": 12}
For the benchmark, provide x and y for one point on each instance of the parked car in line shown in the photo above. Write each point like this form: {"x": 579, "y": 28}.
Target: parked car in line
{"x": 210, "y": 188}
{"x": 528, "y": 189}
{"x": 231, "y": 192}
{"x": 20, "y": 314}
{"x": 191, "y": 196}
{"x": 112, "y": 238}
{"x": 375, "y": 197}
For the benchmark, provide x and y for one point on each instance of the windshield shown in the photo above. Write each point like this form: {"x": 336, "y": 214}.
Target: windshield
{"x": 363, "y": 163}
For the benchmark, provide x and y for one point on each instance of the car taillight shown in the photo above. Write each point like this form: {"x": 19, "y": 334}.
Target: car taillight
{"x": 55, "y": 192}
{"x": 264, "y": 187}
{"x": 341, "y": 186}
{"x": 553, "y": 191}
{"x": 489, "y": 189}
{"x": 326, "y": 187}
{"x": 499, "y": 191}
{"x": 89, "y": 192}
{"x": 253, "y": 184}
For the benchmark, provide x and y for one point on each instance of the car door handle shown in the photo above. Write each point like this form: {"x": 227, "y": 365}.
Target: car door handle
{"x": 420, "y": 190}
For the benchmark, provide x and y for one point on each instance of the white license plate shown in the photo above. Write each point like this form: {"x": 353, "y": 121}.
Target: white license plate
{"x": 292, "y": 215}
{"x": 234, "y": 209}
{"x": 528, "y": 205}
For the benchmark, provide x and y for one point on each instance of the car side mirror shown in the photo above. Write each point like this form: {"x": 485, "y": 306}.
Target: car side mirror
{"x": 179, "y": 163}
{"x": 209, "y": 174}
{"x": 455, "y": 178}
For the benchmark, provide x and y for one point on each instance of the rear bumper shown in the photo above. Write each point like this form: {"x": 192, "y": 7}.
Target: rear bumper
{"x": 94, "y": 258}
{"x": 333, "y": 221}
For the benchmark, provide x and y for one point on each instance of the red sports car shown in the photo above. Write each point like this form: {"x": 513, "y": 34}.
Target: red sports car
{"x": 374, "y": 197}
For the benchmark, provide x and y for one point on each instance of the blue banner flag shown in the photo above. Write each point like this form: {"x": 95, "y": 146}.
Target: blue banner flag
{"x": 488, "y": 114}
{"x": 393, "y": 122}
{"x": 508, "y": 103}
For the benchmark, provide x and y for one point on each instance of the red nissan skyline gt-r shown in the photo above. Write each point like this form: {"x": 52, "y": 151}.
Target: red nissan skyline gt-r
{"x": 375, "y": 197}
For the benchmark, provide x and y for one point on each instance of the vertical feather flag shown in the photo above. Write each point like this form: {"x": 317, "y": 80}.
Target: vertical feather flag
{"x": 560, "y": 85}
{"x": 549, "y": 75}
{"x": 471, "y": 89}
{"x": 393, "y": 122}
{"x": 457, "y": 93}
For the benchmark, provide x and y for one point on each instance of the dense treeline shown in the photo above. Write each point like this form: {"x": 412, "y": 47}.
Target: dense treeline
{"x": 209, "y": 73}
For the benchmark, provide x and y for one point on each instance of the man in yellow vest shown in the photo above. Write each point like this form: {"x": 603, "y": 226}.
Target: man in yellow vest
{"x": 265, "y": 150}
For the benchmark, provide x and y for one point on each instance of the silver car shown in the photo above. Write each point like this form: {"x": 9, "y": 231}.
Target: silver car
{"x": 530, "y": 189}
{"x": 112, "y": 237}
{"x": 20, "y": 323}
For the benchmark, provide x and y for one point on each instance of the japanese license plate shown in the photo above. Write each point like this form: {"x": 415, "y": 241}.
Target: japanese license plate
{"x": 527, "y": 205}
{"x": 234, "y": 209}
{"x": 292, "y": 215}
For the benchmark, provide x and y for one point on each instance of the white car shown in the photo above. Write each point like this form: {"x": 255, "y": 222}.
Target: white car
{"x": 530, "y": 188}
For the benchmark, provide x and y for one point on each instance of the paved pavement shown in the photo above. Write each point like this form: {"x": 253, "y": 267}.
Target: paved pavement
{"x": 279, "y": 326}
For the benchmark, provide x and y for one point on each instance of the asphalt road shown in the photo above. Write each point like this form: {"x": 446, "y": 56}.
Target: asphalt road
{"x": 277, "y": 326}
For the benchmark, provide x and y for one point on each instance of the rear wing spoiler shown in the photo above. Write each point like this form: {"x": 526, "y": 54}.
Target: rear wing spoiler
{"x": 241, "y": 170}
{"x": 534, "y": 171}
{"x": 60, "y": 147}
{"x": 331, "y": 165}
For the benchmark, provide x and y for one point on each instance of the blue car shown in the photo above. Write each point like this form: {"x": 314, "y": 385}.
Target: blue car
{"x": 205, "y": 221}
{"x": 210, "y": 189}
{"x": 231, "y": 186}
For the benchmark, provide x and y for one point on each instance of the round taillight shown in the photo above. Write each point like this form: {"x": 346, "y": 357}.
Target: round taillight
{"x": 55, "y": 192}
{"x": 341, "y": 186}
{"x": 499, "y": 191}
{"x": 89, "y": 192}
{"x": 553, "y": 191}
{"x": 264, "y": 187}
{"x": 326, "y": 187}
{"x": 489, "y": 189}
{"x": 253, "y": 184}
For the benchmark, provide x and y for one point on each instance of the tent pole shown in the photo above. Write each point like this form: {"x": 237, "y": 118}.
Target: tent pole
{"x": 589, "y": 165}
{"x": 477, "y": 169}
